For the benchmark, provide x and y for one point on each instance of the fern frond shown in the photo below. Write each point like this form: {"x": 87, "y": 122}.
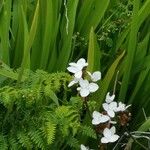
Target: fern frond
{"x": 73, "y": 142}
{"x": 37, "y": 139}
{"x": 13, "y": 143}
{"x": 24, "y": 140}
{"x": 50, "y": 131}
{"x": 88, "y": 131}
{"x": 3, "y": 143}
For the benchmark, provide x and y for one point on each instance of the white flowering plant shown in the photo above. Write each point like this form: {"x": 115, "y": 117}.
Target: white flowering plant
{"x": 114, "y": 113}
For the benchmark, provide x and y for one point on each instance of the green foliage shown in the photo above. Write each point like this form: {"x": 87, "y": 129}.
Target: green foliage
{"x": 33, "y": 119}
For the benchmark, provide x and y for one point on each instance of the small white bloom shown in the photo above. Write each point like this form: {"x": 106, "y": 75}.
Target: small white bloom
{"x": 109, "y": 98}
{"x": 84, "y": 147}
{"x": 86, "y": 88}
{"x": 99, "y": 118}
{"x": 95, "y": 76}
{"x": 110, "y": 108}
{"x": 122, "y": 107}
{"x": 109, "y": 135}
{"x": 76, "y": 68}
{"x": 74, "y": 81}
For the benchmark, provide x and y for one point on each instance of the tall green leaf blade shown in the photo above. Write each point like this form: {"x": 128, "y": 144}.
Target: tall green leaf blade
{"x": 48, "y": 29}
{"x": 29, "y": 43}
{"x": 99, "y": 96}
{"x": 5, "y": 18}
{"x": 93, "y": 53}
{"x": 143, "y": 13}
{"x": 96, "y": 13}
{"x": 130, "y": 52}
{"x": 67, "y": 32}
{"x": 82, "y": 16}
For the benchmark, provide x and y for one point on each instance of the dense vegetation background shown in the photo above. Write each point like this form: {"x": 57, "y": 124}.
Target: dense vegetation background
{"x": 37, "y": 109}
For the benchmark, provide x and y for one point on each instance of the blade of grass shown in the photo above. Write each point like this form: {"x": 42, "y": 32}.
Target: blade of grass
{"x": 144, "y": 127}
{"x": 99, "y": 96}
{"x": 130, "y": 52}
{"x": 82, "y": 16}
{"x": 29, "y": 43}
{"x": 93, "y": 53}
{"x": 4, "y": 30}
{"x": 95, "y": 15}
{"x": 67, "y": 35}
{"x": 48, "y": 29}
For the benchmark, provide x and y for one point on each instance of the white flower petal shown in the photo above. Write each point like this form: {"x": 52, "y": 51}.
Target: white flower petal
{"x": 99, "y": 118}
{"x": 113, "y": 105}
{"x": 83, "y": 147}
{"x": 78, "y": 88}
{"x": 93, "y": 87}
{"x": 104, "y": 118}
{"x": 113, "y": 130}
{"x": 96, "y": 76}
{"x": 71, "y": 83}
{"x": 121, "y": 107}
{"x": 128, "y": 106}
{"x": 84, "y": 92}
{"x": 73, "y": 64}
{"x": 107, "y": 133}
{"x": 81, "y": 62}
{"x": 111, "y": 113}
{"x": 114, "y": 138}
{"x": 78, "y": 74}
{"x": 109, "y": 98}
{"x": 95, "y": 121}
{"x": 105, "y": 106}
{"x": 72, "y": 69}
{"x": 84, "y": 83}
{"x": 104, "y": 140}
{"x": 96, "y": 114}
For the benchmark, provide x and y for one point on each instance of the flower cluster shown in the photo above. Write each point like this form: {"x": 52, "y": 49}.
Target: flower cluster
{"x": 111, "y": 108}
{"x": 104, "y": 121}
{"x": 85, "y": 86}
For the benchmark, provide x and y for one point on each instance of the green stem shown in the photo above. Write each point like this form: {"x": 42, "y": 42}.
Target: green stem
{"x": 89, "y": 113}
{"x": 136, "y": 141}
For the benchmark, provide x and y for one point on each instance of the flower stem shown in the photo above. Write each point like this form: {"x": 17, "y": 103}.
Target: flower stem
{"x": 89, "y": 113}
{"x": 136, "y": 141}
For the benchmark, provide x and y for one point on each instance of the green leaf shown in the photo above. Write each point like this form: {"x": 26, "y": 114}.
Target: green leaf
{"x": 29, "y": 43}
{"x": 99, "y": 96}
{"x": 93, "y": 53}
{"x": 52, "y": 95}
{"x": 67, "y": 32}
{"x": 96, "y": 13}
{"x": 50, "y": 130}
{"x": 7, "y": 72}
{"x": 5, "y": 17}
{"x": 130, "y": 52}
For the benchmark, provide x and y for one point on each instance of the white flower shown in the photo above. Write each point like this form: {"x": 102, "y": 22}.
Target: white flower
{"x": 83, "y": 147}
{"x": 76, "y": 68}
{"x": 109, "y": 98}
{"x": 121, "y": 107}
{"x": 110, "y": 108}
{"x": 74, "y": 81}
{"x": 95, "y": 76}
{"x": 109, "y": 135}
{"x": 86, "y": 88}
{"x": 99, "y": 118}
